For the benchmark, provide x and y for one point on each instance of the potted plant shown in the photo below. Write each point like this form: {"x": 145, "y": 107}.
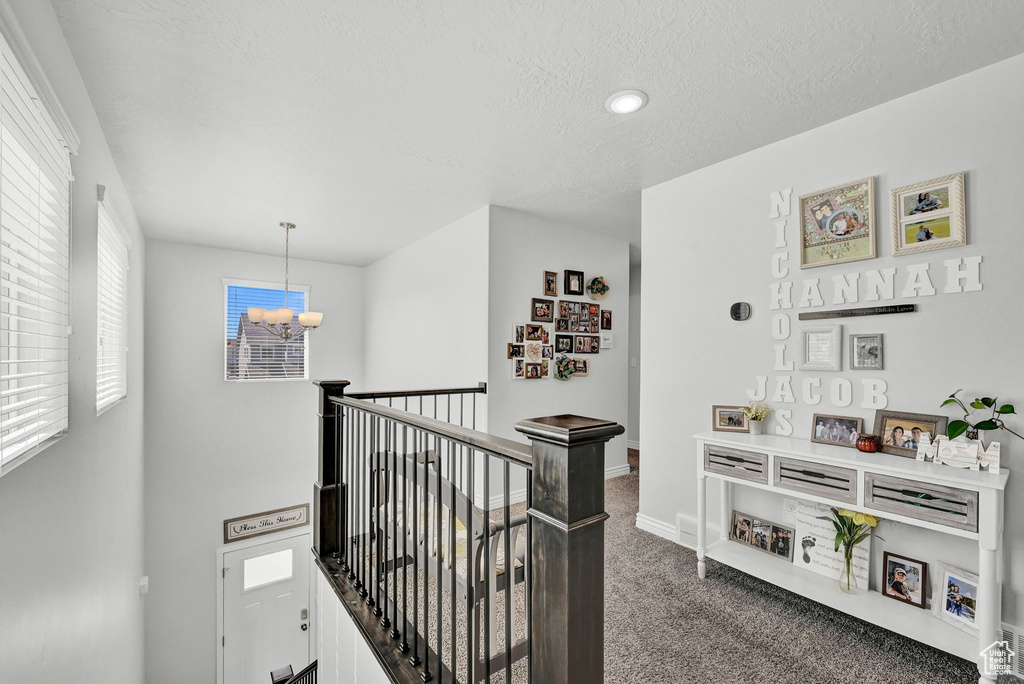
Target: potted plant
{"x": 970, "y": 426}
{"x": 756, "y": 413}
{"x": 851, "y": 529}
{"x": 597, "y": 288}
{"x": 564, "y": 368}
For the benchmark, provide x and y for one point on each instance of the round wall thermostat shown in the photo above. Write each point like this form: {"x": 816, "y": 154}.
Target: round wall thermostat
{"x": 740, "y": 311}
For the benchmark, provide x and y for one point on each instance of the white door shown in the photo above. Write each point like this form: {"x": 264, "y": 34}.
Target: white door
{"x": 266, "y": 610}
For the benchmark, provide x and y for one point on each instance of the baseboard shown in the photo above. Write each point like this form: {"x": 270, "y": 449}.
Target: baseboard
{"x": 616, "y": 471}
{"x": 630, "y": 444}
{"x": 515, "y": 496}
{"x": 656, "y": 527}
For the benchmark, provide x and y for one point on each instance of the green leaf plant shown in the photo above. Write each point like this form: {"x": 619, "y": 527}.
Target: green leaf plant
{"x": 993, "y": 422}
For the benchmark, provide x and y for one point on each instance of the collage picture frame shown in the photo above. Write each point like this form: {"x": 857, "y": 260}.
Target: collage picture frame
{"x": 928, "y": 215}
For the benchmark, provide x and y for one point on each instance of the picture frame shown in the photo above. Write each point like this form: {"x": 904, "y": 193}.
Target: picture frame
{"x": 821, "y": 348}
{"x": 740, "y": 530}
{"x": 905, "y": 443}
{"x": 545, "y": 336}
{"x": 534, "y": 351}
{"x": 837, "y": 430}
{"x": 563, "y": 344}
{"x": 561, "y": 325}
{"x": 516, "y": 351}
{"x": 606, "y": 319}
{"x": 573, "y": 284}
{"x": 534, "y": 333}
{"x": 545, "y": 368}
{"x": 533, "y": 371}
{"x": 764, "y": 535}
{"x": 928, "y": 215}
{"x": 567, "y": 308}
{"x": 574, "y": 323}
{"x": 729, "y": 419}
{"x": 837, "y": 224}
{"x": 586, "y": 344}
{"x": 518, "y": 369}
{"x": 518, "y": 333}
{"x": 867, "y": 351}
{"x": 550, "y": 284}
{"x": 955, "y": 597}
{"x": 582, "y": 367}
{"x": 542, "y": 310}
{"x": 910, "y": 586}
{"x": 547, "y": 351}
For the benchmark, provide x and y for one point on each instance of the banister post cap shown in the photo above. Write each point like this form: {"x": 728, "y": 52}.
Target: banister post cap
{"x": 569, "y": 430}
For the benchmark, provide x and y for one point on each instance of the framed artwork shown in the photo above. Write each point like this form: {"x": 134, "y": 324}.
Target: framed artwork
{"x": 595, "y": 310}
{"x": 574, "y": 323}
{"x": 547, "y": 352}
{"x": 518, "y": 333}
{"x": 518, "y": 369}
{"x": 534, "y": 352}
{"x": 566, "y": 308}
{"x": 561, "y": 325}
{"x": 606, "y": 319}
{"x": 544, "y": 335}
{"x": 587, "y": 344}
{"x": 585, "y": 313}
{"x": 542, "y": 310}
{"x": 545, "y": 368}
{"x": 763, "y": 535}
{"x": 563, "y": 344}
{"x": 760, "y": 534}
{"x": 838, "y": 430}
{"x": 904, "y": 579}
{"x": 866, "y": 352}
{"x": 928, "y": 215}
{"x": 955, "y": 597}
{"x": 901, "y": 433}
{"x": 582, "y": 367}
{"x": 837, "y": 224}
{"x": 534, "y": 333}
{"x": 729, "y": 419}
{"x": 781, "y": 542}
{"x": 533, "y": 371}
{"x": 516, "y": 351}
{"x": 550, "y": 284}
{"x": 573, "y": 284}
{"x": 821, "y": 348}
{"x": 741, "y": 525}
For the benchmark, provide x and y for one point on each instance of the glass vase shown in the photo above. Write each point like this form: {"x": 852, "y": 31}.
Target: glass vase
{"x": 847, "y": 582}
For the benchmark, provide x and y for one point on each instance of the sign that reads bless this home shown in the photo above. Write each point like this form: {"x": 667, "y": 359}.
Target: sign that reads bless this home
{"x": 266, "y": 522}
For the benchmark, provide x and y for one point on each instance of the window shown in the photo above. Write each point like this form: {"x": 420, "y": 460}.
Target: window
{"x": 35, "y": 248}
{"x": 111, "y": 308}
{"x": 254, "y": 352}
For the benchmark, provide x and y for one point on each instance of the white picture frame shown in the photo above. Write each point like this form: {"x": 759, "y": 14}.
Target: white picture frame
{"x": 945, "y": 577}
{"x": 821, "y": 348}
{"x": 917, "y": 226}
{"x": 867, "y": 351}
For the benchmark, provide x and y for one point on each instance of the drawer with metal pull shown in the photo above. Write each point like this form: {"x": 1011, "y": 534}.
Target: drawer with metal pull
{"x": 828, "y": 481}
{"x": 930, "y": 502}
{"x": 738, "y": 463}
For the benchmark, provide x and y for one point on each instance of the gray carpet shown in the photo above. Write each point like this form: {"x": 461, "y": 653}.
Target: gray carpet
{"x": 663, "y": 624}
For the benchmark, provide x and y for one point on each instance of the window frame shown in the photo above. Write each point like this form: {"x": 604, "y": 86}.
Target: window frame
{"x": 266, "y": 285}
{"x": 105, "y": 206}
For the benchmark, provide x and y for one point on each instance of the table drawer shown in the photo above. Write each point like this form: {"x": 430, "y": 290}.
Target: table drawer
{"x": 948, "y": 506}
{"x": 828, "y": 481}
{"x": 738, "y": 463}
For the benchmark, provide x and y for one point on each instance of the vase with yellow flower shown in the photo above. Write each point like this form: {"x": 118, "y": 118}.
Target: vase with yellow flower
{"x": 851, "y": 529}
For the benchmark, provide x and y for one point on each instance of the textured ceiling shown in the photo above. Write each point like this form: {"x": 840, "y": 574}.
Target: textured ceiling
{"x": 370, "y": 123}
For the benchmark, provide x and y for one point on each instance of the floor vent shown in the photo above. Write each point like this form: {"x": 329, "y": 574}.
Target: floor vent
{"x": 1014, "y": 638}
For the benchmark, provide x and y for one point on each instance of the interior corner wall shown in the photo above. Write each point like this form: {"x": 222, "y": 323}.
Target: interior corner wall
{"x": 522, "y": 247}
{"x": 635, "y": 360}
{"x": 216, "y": 449}
{"x": 426, "y": 311}
{"x": 708, "y": 242}
{"x": 71, "y": 542}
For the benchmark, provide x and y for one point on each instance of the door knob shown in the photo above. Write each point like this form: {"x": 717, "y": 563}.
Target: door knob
{"x": 304, "y": 626}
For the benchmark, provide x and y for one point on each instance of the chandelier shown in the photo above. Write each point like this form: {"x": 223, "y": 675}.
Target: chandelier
{"x": 280, "y": 321}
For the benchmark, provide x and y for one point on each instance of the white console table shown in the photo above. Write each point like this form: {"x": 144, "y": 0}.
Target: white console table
{"x": 960, "y": 502}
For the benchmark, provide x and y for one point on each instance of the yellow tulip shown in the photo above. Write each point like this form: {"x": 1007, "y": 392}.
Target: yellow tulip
{"x": 859, "y": 518}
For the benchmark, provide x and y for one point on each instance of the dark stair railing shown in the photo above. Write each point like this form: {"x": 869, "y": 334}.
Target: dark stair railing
{"x": 403, "y": 512}
{"x": 306, "y": 675}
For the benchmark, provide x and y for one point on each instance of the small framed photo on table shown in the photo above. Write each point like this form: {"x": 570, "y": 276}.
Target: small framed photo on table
{"x": 838, "y": 430}
{"x": 729, "y": 419}
{"x": 955, "y": 597}
{"x": 902, "y": 433}
{"x": 904, "y": 579}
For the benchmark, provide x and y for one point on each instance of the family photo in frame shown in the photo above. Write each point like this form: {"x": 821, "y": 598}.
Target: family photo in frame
{"x": 838, "y": 430}
{"x": 902, "y": 433}
{"x": 904, "y": 579}
{"x": 928, "y": 215}
{"x": 729, "y": 419}
{"x": 838, "y": 224}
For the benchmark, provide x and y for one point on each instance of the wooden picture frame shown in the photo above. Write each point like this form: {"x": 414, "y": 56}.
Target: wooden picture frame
{"x": 550, "y": 283}
{"x": 606, "y": 319}
{"x": 519, "y": 333}
{"x": 915, "y": 574}
{"x": 542, "y": 310}
{"x": 533, "y": 371}
{"x": 824, "y": 427}
{"x": 265, "y": 522}
{"x": 837, "y": 224}
{"x": 534, "y": 333}
{"x": 573, "y": 284}
{"x": 515, "y": 351}
{"x": 586, "y": 344}
{"x": 582, "y": 367}
{"x": 867, "y": 351}
{"x": 821, "y": 348}
{"x": 722, "y": 418}
{"x": 561, "y": 325}
{"x": 928, "y": 215}
{"x": 563, "y": 344}
{"x": 887, "y": 422}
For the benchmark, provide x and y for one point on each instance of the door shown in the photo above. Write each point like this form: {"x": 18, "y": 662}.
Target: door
{"x": 266, "y": 610}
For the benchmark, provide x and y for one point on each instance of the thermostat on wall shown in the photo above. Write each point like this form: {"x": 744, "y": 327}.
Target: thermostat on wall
{"x": 740, "y": 311}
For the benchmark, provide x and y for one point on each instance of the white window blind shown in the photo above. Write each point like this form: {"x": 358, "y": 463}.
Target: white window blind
{"x": 35, "y": 247}
{"x": 111, "y": 308}
{"x": 252, "y": 352}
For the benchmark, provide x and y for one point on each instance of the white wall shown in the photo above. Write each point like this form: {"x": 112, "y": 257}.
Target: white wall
{"x": 522, "y": 247}
{"x": 708, "y": 242}
{"x": 426, "y": 311}
{"x": 217, "y": 450}
{"x": 71, "y": 545}
{"x": 633, "y": 429}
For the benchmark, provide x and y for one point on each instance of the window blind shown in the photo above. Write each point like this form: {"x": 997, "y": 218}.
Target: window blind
{"x": 252, "y": 352}
{"x": 111, "y": 310}
{"x": 35, "y": 246}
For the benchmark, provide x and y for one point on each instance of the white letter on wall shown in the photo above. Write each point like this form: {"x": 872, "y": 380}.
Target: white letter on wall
{"x": 780, "y": 326}
{"x": 762, "y": 389}
{"x": 780, "y": 203}
{"x": 970, "y": 274}
{"x": 845, "y": 288}
{"x": 780, "y": 233}
{"x": 842, "y": 392}
{"x": 919, "y": 284}
{"x": 811, "y": 295}
{"x": 874, "y": 394}
{"x": 881, "y": 283}
{"x": 778, "y": 270}
{"x": 784, "y": 390}
{"x": 812, "y": 391}
{"x": 783, "y": 427}
{"x": 780, "y": 359}
{"x": 782, "y": 296}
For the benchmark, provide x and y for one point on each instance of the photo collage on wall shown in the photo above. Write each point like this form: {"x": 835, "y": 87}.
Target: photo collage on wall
{"x": 538, "y": 352}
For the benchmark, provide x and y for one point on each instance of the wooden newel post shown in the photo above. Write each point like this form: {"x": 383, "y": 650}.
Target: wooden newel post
{"x": 567, "y": 550}
{"x": 327, "y": 491}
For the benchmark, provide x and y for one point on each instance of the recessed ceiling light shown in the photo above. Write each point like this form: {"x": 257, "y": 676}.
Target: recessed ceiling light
{"x": 626, "y": 102}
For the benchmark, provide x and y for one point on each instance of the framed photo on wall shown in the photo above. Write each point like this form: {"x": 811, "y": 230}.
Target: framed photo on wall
{"x": 573, "y": 284}
{"x": 838, "y": 430}
{"x": 904, "y": 579}
{"x": 587, "y": 344}
{"x": 606, "y": 319}
{"x": 821, "y": 348}
{"x": 866, "y": 352}
{"x": 534, "y": 332}
{"x": 928, "y": 215}
{"x": 550, "y": 284}
{"x": 542, "y": 310}
{"x": 837, "y": 224}
{"x": 901, "y": 433}
{"x": 729, "y": 419}
{"x": 582, "y": 367}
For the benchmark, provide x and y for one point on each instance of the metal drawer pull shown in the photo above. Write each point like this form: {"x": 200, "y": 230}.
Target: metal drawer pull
{"x": 811, "y": 473}
{"x": 736, "y": 459}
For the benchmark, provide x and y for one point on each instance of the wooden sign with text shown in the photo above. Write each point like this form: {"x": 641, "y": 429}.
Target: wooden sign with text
{"x": 865, "y": 311}
{"x": 265, "y": 523}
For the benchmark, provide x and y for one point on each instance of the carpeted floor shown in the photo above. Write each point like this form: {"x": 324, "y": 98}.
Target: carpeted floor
{"x": 664, "y": 624}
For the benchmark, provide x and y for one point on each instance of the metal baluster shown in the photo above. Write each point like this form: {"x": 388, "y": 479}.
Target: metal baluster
{"x": 361, "y": 508}
{"x": 394, "y": 529}
{"x": 415, "y": 659}
{"x": 510, "y": 574}
{"x": 350, "y": 495}
{"x": 474, "y": 412}
{"x": 529, "y": 573}
{"x": 472, "y": 576}
{"x": 339, "y": 425}
{"x": 380, "y": 486}
{"x": 436, "y": 546}
{"x": 372, "y": 494}
{"x": 405, "y": 541}
{"x": 487, "y": 567}
{"x": 453, "y": 660}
